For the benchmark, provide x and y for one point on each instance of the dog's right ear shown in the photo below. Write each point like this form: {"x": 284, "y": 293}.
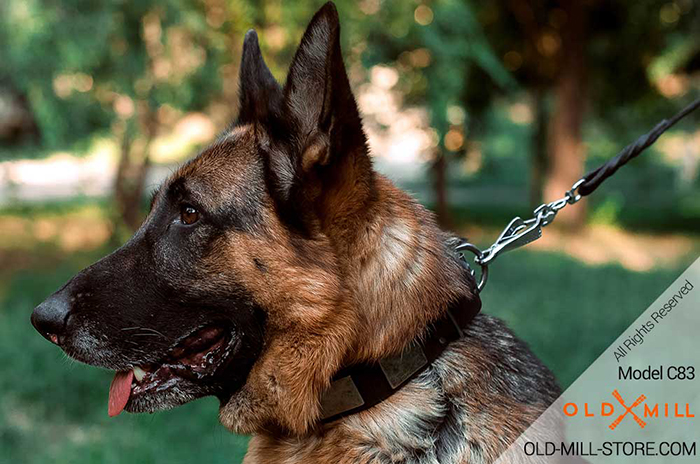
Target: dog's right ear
{"x": 318, "y": 97}
{"x": 260, "y": 94}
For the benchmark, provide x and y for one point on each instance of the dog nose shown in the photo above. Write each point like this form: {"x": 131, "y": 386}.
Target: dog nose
{"x": 49, "y": 318}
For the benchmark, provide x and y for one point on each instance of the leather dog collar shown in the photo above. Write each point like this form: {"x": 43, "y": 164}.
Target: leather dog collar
{"x": 359, "y": 387}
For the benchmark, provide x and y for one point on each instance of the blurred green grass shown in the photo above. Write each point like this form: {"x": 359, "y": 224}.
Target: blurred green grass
{"x": 53, "y": 409}
{"x": 567, "y": 311}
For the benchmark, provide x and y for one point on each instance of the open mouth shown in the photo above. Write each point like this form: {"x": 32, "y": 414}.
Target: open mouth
{"x": 195, "y": 359}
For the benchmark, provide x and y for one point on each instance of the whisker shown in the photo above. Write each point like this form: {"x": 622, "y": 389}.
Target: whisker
{"x": 153, "y": 330}
{"x": 145, "y": 329}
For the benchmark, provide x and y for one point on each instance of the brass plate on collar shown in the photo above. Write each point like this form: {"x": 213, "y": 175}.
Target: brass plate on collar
{"x": 398, "y": 369}
{"x": 342, "y": 396}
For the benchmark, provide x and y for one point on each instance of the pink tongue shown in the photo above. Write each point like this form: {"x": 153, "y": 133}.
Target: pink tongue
{"x": 119, "y": 392}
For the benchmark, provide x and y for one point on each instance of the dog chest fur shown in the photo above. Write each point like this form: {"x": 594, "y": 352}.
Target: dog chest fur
{"x": 465, "y": 409}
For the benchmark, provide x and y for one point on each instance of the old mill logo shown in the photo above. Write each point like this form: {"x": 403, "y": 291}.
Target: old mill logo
{"x": 639, "y": 410}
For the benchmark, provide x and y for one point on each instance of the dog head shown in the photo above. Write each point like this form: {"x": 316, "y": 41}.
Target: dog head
{"x": 266, "y": 263}
{"x": 231, "y": 286}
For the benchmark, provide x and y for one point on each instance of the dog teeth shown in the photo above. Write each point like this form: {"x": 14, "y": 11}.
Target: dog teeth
{"x": 139, "y": 373}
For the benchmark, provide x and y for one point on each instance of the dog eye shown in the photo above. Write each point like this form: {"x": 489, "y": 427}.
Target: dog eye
{"x": 188, "y": 215}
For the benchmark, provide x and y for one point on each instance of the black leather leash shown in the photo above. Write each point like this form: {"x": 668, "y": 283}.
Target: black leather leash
{"x": 593, "y": 179}
{"x": 520, "y": 232}
{"x": 357, "y": 388}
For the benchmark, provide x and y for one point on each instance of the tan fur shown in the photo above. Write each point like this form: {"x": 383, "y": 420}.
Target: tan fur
{"x": 369, "y": 273}
{"x": 375, "y": 271}
{"x": 374, "y": 274}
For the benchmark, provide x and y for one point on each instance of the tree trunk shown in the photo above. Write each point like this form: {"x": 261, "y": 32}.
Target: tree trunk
{"x": 442, "y": 206}
{"x": 566, "y": 152}
{"x": 132, "y": 171}
{"x": 538, "y": 161}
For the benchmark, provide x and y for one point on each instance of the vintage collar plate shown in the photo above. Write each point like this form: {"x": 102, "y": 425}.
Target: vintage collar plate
{"x": 362, "y": 386}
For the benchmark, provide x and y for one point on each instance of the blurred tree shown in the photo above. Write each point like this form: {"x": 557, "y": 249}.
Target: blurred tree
{"x": 163, "y": 58}
{"x": 17, "y": 123}
{"x": 436, "y": 46}
{"x": 96, "y": 66}
{"x": 127, "y": 67}
{"x": 454, "y": 37}
{"x": 582, "y": 55}
{"x": 565, "y": 147}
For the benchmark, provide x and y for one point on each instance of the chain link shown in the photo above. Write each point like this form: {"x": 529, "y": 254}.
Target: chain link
{"x": 519, "y": 232}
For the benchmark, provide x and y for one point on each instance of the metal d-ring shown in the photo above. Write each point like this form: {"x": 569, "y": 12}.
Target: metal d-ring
{"x": 478, "y": 260}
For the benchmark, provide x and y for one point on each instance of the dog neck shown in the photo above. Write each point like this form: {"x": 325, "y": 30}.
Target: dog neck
{"x": 400, "y": 274}
{"x": 411, "y": 300}
{"x": 362, "y": 386}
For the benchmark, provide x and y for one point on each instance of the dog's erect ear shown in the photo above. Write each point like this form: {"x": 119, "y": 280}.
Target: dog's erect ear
{"x": 260, "y": 93}
{"x": 318, "y": 95}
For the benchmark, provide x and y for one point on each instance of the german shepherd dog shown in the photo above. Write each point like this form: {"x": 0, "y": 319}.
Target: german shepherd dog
{"x": 275, "y": 258}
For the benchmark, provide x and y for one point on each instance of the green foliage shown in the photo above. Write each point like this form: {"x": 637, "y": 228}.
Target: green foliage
{"x": 451, "y": 44}
{"x": 76, "y": 60}
{"x": 628, "y": 46}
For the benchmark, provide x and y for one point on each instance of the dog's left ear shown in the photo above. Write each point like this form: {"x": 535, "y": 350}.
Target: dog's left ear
{"x": 260, "y": 94}
{"x": 318, "y": 97}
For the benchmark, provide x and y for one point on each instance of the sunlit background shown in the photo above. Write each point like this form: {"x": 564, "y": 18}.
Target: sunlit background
{"x": 480, "y": 109}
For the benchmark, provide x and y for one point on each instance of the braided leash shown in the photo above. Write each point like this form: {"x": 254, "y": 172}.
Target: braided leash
{"x": 520, "y": 232}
